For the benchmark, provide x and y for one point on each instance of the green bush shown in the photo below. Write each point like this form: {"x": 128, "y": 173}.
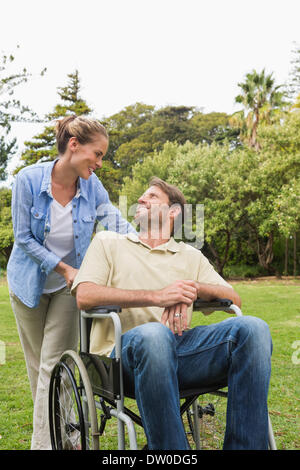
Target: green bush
{"x": 242, "y": 271}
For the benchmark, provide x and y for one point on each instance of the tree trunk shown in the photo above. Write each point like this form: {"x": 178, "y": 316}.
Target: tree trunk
{"x": 286, "y": 256}
{"x": 220, "y": 262}
{"x": 265, "y": 253}
{"x": 253, "y": 136}
{"x": 295, "y": 255}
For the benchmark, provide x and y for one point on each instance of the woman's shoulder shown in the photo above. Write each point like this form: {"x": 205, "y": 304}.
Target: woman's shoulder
{"x": 35, "y": 169}
{"x": 93, "y": 182}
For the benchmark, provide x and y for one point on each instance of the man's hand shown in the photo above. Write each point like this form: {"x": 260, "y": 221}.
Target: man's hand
{"x": 176, "y": 298}
{"x": 176, "y": 316}
{"x": 179, "y": 292}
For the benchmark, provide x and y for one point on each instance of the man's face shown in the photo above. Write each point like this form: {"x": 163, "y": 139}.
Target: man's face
{"x": 153, "y": 209}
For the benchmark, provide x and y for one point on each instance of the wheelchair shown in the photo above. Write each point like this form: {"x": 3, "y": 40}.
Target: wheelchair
{"x": 87, "y": 390}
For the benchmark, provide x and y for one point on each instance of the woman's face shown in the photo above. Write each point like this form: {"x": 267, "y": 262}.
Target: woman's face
{"x": 87, "y": 158}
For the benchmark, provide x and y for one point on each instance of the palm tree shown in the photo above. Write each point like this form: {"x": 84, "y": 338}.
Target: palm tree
{"x": 260, "y": 97}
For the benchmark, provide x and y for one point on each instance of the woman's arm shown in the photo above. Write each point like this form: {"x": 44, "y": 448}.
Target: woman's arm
{"x": 22, "y": 203}
{"x": 109, "y": 216}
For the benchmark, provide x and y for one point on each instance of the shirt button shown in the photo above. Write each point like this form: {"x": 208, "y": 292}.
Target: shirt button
{"x": 76, "y": 236}
{"x": 74, "y": 205}
{"x": 78, "y": 254}
{"x": 75, "y": 221}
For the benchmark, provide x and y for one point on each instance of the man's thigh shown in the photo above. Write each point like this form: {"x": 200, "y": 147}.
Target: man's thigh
{"x": 204, "y": 354}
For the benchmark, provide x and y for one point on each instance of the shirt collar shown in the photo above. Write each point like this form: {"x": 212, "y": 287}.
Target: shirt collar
{"x": 46, "y": 182}
{"x": 82, "y": 189}
{"x": 170, "y": 245}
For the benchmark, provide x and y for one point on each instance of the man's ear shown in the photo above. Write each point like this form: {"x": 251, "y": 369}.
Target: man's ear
{"x": 175, "y": 210}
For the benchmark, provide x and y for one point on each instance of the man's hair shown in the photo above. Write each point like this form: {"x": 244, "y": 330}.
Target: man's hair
{"x": 174, "y": 194}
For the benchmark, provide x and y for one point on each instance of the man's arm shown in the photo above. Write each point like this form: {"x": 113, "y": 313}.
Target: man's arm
{"x": 211, "y": 291}
{"x": 89, "y": 295}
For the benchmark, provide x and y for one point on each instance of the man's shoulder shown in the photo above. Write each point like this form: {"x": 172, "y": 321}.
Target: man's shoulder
{"x": 191, "y": 250}
{"x": 106, "y": 236}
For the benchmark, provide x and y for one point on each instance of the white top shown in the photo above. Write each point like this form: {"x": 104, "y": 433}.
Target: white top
{"x": 60, "y": 240}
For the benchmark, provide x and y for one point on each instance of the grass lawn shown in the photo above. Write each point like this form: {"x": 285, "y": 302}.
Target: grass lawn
{"x": 276, "y": 302}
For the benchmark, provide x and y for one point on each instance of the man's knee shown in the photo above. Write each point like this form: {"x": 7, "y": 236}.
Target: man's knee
{"x": 153, "y": 340}
{"x": 255, "y": 332}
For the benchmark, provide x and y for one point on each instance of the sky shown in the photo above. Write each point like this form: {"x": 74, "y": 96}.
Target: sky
{"x": 159, "y": 52}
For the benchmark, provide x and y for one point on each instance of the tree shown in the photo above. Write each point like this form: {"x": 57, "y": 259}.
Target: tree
{"x": 260, "y": 97}
{"x": 7, "y": 150}
{"x": 43, "y": 146}
{"x": 269, "y": 193}
{"x": 140, "y": 130}
{"x": 6, "y": 229}
{"x": 211, "y": 175}
{"x": 251, "y": 198}
{"x": 125, "y": 126}
{"x": 11, "y": 109}
{"x": 293, "y": 87}
{"x": 282, "y": 173}
{"x": 213, "y": 127}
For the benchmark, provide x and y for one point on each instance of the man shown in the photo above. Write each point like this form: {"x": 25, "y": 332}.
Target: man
{"x": 156, "y": 280}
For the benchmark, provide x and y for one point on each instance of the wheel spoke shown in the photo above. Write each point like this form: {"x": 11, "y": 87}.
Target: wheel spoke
{"x": 69, "y": 409}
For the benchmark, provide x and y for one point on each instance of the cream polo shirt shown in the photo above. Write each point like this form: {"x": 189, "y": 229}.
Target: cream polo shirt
{"x": 123, "y": 261}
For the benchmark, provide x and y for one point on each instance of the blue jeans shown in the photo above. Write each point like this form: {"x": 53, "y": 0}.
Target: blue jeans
{"x": 157, "y": 363}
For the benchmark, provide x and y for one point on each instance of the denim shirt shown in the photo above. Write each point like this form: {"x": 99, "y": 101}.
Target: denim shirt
{"x": 30, "y": 262}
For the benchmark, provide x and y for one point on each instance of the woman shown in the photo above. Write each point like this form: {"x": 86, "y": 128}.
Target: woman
{"x": 54, "y": 208}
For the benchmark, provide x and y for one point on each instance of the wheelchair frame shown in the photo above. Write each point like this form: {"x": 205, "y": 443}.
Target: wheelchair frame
{"x": 110, "y": 387}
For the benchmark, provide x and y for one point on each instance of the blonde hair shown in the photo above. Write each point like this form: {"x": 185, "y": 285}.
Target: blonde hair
{"x": 81, "y": 127}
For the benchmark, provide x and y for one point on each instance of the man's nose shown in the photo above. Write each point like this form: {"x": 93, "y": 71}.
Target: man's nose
{"x": 142, "y": 200}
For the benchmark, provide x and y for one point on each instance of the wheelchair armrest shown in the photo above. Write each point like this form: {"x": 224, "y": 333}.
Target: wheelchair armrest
{"x": 225, "y": 305}
{"x": 105, "y": 309}
{"x": 216, "y": 303}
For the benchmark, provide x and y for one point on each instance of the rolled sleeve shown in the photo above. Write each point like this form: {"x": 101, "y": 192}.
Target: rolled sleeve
{"x": 49, "y": 263}
{"x": 95, "y": 266}
{"x": 208, "y": 275}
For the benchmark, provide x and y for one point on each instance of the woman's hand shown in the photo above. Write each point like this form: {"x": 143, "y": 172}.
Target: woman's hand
{"x": 70, "y": 276}
{"x": 67, "y": 271}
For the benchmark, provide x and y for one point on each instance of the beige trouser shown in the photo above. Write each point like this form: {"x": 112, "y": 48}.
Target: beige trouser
{"x": 45, "y": 333}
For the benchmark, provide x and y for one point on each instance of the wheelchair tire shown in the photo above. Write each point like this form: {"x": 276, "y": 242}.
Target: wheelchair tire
{"x": 72, "y": 411}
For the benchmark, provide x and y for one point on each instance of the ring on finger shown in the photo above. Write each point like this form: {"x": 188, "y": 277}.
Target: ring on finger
{"x": 177, "y": 315}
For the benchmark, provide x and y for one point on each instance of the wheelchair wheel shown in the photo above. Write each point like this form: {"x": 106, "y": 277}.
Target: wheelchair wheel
{"x": 72, "y": 410}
